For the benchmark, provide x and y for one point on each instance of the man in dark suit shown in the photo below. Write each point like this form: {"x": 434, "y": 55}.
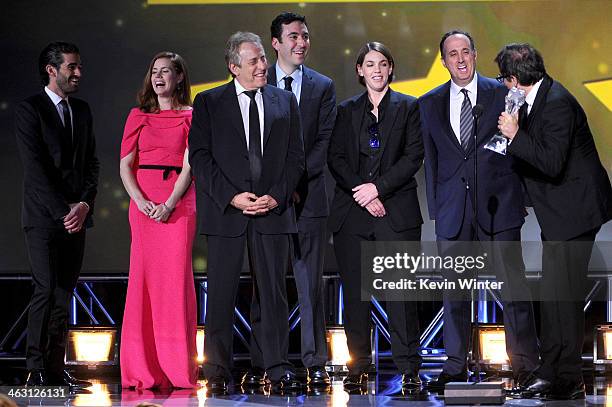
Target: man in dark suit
{"x": 247, "y": 156}
{"x": 56, "y": 143}
{"x": 571, "y": 195}
{"x": 317, "y": 101}
{"x": 448, "y": 123}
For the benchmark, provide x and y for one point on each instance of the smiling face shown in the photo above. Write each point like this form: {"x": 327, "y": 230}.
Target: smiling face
{"x": 164, "y": 78}
{"x": 293, "y": 45}
{"x": 375, "y": 70}
{"x": 460, "y": 59}
{"x": 251, "y": 73}
{"x": 66, "y": 79}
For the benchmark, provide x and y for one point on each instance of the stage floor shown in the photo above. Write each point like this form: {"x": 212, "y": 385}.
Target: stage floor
{"x": 385, "y": 391}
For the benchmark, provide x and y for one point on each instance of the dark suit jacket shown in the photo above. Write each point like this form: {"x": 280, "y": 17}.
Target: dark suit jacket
{"x": 567, "y": 185}
{"x": 47, "y": 187}
{"x": 401, "y": 158}
{"x": 318, "y": 113}
{"x": 219, "y": 160}
{"x": 448, "y": 167}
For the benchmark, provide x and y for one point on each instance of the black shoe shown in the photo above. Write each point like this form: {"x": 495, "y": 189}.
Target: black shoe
{"x": 353, "y": 381}
{"x": 254, "y": 377}
{"x": 216, "y": 384}
{"x": 36, "y": 378}
{"x": 317, "y": 376}
{"x": 411, "y": 380}
{"x": 287, "y": 382}
{"x": 440, "y": 382}
{"x": 72, "y": 381}
{"x": 567, "y": 390}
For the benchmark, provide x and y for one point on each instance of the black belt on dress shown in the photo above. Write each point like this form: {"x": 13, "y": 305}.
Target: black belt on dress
{"x": 167, "y": 169}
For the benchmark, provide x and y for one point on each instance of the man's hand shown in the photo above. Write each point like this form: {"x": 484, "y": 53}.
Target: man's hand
{"x": 243, "y": 200}
{"x": 365, "y": 193}
{"x": 376, "y": 208}
{"x": 73, "y": 222}
{"x": 508, "y": 125}
{"x": 261, "y": 206}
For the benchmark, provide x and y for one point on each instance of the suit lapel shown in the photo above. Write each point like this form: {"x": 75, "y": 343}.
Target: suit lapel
{"x": 232, "y": 113}
{"x": 443, "y": 108}
{"x": 77, "y": 134}
{"x": 307, "y": 85}
{"x": 270, "y": 103}
{"x": 388, "y": 123}
{"x": 271, "y": 76}
{"x": 485, "y": 99}
{"x": 539, "y": 100}
{"x": 357, "y": 114}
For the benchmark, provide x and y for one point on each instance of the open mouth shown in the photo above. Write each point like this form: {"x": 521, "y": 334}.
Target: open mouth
{"x": 160, "y": 84}
{"x": 462, "y": 68}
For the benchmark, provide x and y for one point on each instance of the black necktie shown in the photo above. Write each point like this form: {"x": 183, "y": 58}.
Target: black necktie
{"x": 255, "y": 158}
{"x": 67, "y": 134}
{"x": 466, "y": 120}
{"x": 288, "y": 80}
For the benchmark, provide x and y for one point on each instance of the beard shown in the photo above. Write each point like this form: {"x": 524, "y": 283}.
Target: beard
{"x": 66, "y": 85}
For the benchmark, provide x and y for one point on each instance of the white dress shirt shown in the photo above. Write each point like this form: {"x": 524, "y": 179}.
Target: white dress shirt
{"x": 244, "y": 101}
{"x": 456, "y": 99}
{"x": 531, "y": 96}
{"x": 56, "y": 99}
{"x": 296, "y": 85}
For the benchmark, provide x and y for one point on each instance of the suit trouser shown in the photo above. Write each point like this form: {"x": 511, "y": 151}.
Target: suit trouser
{"x": 403, "y": 318}
{"x": 563, "y": 286}
{"x": 519, "y": 321}
{"x": 307, "y": 254}
{"x": 55, "y": 260}
{"x": 268, "y": 261}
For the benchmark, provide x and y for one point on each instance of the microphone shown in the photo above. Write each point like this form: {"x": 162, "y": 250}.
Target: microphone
{"x": 477, "y": 111}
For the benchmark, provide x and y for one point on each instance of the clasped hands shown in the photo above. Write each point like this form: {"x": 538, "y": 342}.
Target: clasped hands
{"x": 366, "y": 195}
{"x": 157, "y": 212}
{"x": 251, "y": 204}
{"x": 73, "y": 221}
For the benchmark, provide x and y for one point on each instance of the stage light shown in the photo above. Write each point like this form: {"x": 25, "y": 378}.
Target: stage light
{"x": 602, "y": 346}
{"x": 200, "y": 344}
{"x": 337, "y": 349}
{"x": 92, "y": 346}
{"x": 492, "y": 345}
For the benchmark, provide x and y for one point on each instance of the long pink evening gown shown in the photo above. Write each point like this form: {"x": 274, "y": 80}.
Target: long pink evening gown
{"x": 158, "y": 337}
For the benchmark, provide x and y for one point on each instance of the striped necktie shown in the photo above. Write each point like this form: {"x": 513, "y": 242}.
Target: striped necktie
{"x": 466, "y": 121}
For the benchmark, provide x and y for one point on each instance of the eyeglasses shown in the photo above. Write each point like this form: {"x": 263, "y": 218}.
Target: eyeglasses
{"x": 501, "y": 77}
{"x": 373, "y": 132}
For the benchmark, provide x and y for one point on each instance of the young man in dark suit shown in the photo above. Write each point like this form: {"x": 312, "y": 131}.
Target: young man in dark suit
{"x": 571, "y": 195}
{"x": 317, "y": 101}
{"x": 247, "y": 156}
{"x": 55, "y": 138}
{"x": 447, "y": 124}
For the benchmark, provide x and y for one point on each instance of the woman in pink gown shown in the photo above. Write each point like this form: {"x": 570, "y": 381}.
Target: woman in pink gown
{"x": 158, "y": 337}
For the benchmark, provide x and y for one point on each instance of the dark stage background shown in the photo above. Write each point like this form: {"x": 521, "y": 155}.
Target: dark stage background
{"x": 117, "y": 38}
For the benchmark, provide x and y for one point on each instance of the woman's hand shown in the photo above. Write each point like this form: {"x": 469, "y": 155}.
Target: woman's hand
{"x": 365, "y": 193}
{"x": 376, "y": 208}
{"x": 160, "y": 213}
{"x": 145, "y": 206}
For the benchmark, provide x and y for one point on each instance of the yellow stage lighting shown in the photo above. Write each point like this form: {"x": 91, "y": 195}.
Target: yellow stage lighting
{"x": 337, "y": 349}
{"x": 492, "y": 345}
{"x": 200, "y": 344}
{"x": 92, "y": 346}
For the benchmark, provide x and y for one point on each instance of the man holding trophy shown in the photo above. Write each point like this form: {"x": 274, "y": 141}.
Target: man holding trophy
{"x": 474, "y": 194}
{"x": 571, "y": 195}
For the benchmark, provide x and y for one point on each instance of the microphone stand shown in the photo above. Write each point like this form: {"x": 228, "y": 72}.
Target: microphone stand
{"x": 476, "y": 113}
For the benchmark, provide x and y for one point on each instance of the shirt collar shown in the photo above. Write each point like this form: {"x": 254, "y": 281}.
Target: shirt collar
{"x": 530, "y": 98}
{"x": 472, "y": 87}
{"x": 383, "y": 102}
{"x": 280, "y": 75}
{"x": 55, "y": 98}
{"x": 240, "y": 89}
